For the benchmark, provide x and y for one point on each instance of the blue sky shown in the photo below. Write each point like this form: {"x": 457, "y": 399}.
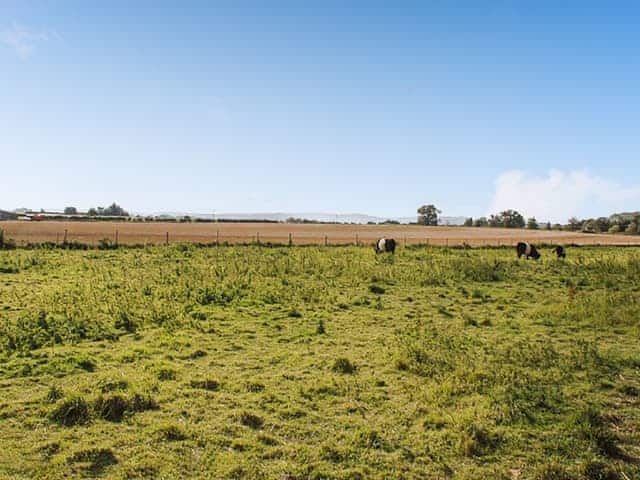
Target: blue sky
{"x": 370, "y": 107}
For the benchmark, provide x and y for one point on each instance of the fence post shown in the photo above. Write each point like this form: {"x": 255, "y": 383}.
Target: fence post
{"x": 258, "y": 238}
{"x": 166, "y": 242}
{"x": 326, "y": 241}
{"x": 116, "y": 238}
{"x": 65, "y": 236}
{"x": 217, "y": 238}
{"x": 405, "y": 242}
{"x": 57, "y": 238}
{"x": 290, "y": 240}
{"x": 446, "y": 242}
{"x": 357, "y": 241}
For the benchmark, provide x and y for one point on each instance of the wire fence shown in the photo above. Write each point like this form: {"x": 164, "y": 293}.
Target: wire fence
{"x": 119, "y": 238}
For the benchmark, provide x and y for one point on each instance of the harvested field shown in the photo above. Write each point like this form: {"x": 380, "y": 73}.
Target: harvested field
{"x": 155, "y": 233}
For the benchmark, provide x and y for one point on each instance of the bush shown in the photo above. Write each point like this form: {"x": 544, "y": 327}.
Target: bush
{"x": 343, "y": 365}
{"x": 250, "y": 420}
{"x": 73, "y": 411}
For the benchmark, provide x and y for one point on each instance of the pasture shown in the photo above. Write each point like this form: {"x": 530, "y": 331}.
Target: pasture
{"x": 159, "y": 233}
{"x": 319, "y": 363}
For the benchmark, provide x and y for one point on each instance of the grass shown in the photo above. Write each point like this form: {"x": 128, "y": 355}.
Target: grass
{"x": 297, "y": 363}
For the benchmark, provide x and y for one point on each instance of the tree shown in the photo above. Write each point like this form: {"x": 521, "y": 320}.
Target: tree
{"x": 495, "y": 220}
{"x": 632, "y": 229}
{"x": 70, "y": 211}
{"x": 507, "y": 219}
{"x": 468, "y": 222}
{"x": 574, "y": 224}
{"x": 113, "y": 210}
{"x": 603, "y": 224}
{"x": 591, "y": 226}
{"x": 547, "y": 226}
{"x": 428, "y": 215}
{"x": 481, "y": 222}
{"x": 532, "y": 223}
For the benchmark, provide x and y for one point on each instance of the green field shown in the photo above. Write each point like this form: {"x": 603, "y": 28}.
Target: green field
{"x": 313, "y": 363}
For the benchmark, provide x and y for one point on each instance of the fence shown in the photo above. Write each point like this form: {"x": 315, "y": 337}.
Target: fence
{"x": 117, "y": 237}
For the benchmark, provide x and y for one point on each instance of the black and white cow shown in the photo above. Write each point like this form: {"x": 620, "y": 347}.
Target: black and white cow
{"x": 560, "y": 252}
{"x": 385, "y": 245}
{"x": 528, "y": 250}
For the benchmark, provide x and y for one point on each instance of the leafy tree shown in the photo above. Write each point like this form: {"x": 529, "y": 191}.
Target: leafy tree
{"x": 615, "y": 228}
{"x": 468, "y": 222}
{"x": 481, "y": 222}
{"x": 495, "y": 220}
{"x": 428, "y": 215}
{"x": 574, "y": 224}
{"x": 632, "y": 228}
{"x": 591, "y": 226}
{"x": 532, "y": 224}
{"x": 70, "y": 211}
{"x": 507, "y": 219}
{"x": 603, "y": 224}
{"x": 113, "y": 210}
{"x": 547, "y": 226}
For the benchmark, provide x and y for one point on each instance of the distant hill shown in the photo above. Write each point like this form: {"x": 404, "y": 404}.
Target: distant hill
{"x": 358, "y": 218}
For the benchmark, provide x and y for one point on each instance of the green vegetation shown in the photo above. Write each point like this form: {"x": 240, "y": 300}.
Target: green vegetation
{"x": 313, "y": 363}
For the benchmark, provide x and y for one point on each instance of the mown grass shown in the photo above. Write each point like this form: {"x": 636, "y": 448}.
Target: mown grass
{"x": 311, "y": 363}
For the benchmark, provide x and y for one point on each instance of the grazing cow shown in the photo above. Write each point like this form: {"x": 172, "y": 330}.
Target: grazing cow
{"x": 527, "y": 250}
{"x": 385, "y": 245}
{"x": 560, "y": 252}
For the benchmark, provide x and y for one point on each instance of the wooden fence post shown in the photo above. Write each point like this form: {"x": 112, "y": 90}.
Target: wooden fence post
{"x": 357, "y": 241}
{"x": 217, "y": 238}
{"x": 326, "y": 241}
{"x": 258, "y": 238}
{"x": 290, "y": 240}
{"x": 65, "y": 236}
{"x": 57, "y": 238}
{"x": 166, "y": 242}
{"x": 116, "y": 238}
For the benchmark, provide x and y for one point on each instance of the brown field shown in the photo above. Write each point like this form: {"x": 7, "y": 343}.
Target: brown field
{"x": 129, "y": 233}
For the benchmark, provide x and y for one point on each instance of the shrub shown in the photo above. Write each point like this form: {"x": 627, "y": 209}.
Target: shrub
{"x": 343, "y": 365}
{"x": 73, "y": 411}
{"x": 250, "y": 420}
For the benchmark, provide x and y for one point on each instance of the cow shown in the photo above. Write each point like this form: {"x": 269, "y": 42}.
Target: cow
{"x": 560, "y": 252}
{"x": 528, "y": 250}
{"x": 385, "y": 245}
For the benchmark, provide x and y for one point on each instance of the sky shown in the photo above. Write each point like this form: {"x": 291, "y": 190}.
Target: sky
{"x": 322, "y": 106}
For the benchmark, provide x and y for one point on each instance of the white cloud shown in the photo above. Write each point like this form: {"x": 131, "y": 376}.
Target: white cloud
{"x": 561, "y": 195}
{"x": 24, "y": 40}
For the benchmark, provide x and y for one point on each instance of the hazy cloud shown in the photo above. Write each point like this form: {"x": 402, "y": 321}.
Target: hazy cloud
{"x": 561, "y": 195}
{"x": 24, "y": 40}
